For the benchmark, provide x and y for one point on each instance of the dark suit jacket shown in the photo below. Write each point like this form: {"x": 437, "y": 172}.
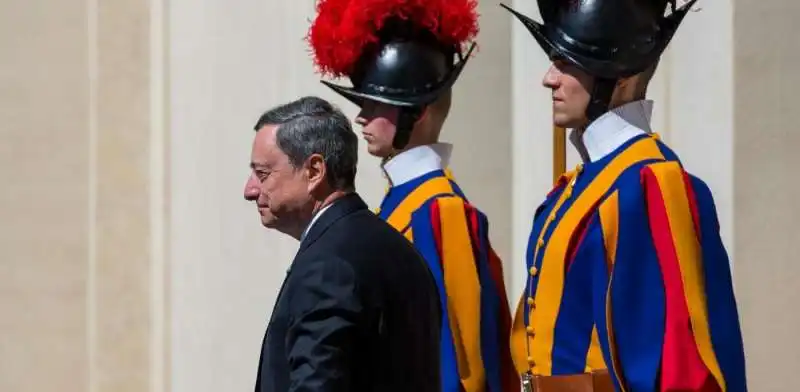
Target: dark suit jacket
{"x": 358, "y": 311}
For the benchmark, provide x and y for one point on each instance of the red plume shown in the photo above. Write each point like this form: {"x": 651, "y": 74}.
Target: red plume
{"x": 344, "y": 28}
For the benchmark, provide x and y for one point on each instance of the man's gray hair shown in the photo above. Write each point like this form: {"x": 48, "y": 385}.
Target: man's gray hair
{"x": 312, "y": 125}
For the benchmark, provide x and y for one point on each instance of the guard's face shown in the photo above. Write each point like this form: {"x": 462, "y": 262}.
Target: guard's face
{"x": 379, "y": 124}
{"x": 281, "y": 192}
{"x": 570, "y": 92}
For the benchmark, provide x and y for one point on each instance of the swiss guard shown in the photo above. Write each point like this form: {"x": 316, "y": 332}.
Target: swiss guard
{"x": 629, "y": 285}
{"x": 402, "y": 58}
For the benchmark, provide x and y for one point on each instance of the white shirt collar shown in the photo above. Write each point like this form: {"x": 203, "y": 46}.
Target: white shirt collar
{"x": 417, "y": 161}
{"x": 314, "y": 219}
{"x": 614, "y": 128}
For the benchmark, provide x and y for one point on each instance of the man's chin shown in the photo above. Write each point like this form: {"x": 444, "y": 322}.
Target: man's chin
{"x": 377, "y": 151}
{"x": 269, "y": 223}
{"x": 565, "y": 122}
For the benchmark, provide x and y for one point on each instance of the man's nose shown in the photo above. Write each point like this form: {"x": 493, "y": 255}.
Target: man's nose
{"x": 251, "y": 189}
{"x": 550, "y": 79}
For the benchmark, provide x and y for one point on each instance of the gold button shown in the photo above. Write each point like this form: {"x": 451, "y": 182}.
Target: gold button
{"x": 531, "y": 361}
{"x": 534, "y": 271}
{"x": 529, "y": 330}
{"x": 530, "y": 300}
{"x": 540, "y": 242}
{"x": 568, "y": 193}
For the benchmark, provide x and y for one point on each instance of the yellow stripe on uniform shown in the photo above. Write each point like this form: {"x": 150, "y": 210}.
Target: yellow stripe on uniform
{"x": 551, "y": 280}
{"x": 447, "y": 173}
{"x": 463, "y": 292}
{"x": 409, "y": 235}
{"x": 594, "y": 357}
{"x": 609, "y": 221}
{"x": 690, "y": 258}
{"x": 520, "y": 338}
{"x": 401, "y": 216}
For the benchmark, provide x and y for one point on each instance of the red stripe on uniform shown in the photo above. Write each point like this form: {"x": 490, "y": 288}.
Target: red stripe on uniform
{"x": 436, "y": 223}
{"x": 472, "y": 218}
{"x": 576, "y": 240}
{"x": 681, "y": 366}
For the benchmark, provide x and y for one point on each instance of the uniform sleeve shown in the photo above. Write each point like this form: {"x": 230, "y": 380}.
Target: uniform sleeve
{"x": 322, "y": 328}
{"x": 452, "y": 237}
{"x": 670, "y": 305}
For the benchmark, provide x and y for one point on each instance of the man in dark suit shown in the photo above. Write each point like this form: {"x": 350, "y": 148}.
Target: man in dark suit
{"x": 358, "y": 309}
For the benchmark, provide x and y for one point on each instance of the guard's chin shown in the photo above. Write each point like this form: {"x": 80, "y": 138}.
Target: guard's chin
{"x": 561, "y": 120}
{"x": 378, "y": 151}
{"x": 566, "y": 121}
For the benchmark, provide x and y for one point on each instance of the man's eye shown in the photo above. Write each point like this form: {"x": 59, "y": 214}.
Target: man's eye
{"x": 262, "y": 175}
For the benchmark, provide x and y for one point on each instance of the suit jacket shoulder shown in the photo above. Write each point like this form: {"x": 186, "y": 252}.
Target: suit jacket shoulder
{"x": 357, "y": 293}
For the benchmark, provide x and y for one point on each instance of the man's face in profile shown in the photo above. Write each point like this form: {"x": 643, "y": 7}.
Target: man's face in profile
{"x": 252, "y": 191}
{"x": 570, "y": 88}
{"x": 278, "y": 189}
{"x": 379, "y": 127}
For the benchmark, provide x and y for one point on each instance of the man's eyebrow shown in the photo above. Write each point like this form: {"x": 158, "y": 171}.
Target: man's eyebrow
{"x": 257, "y": 165}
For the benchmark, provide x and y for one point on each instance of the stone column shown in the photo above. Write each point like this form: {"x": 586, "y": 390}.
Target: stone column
{"x": 82, "y": 279}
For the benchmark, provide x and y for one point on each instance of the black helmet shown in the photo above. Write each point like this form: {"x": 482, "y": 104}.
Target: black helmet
{"x": 608, "y": 39}
{"x": 407, "y": 65}
{"x": 405, "y": 68}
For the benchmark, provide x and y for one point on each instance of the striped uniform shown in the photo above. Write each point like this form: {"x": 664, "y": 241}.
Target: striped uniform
{"x": 452, "y": 236}
{"x": 627, "y": 272}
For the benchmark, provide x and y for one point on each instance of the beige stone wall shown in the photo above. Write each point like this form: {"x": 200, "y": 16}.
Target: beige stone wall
{"x": 75, "y": 163}
{"x": 44, "y": 160}
{"x": 767, "y": 194}
{"x": 130, "y": 262}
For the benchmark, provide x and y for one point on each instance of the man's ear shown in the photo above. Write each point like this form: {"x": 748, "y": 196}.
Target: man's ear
{"x": 624, "y": 83}
{"x": 316, "y": 171}
{"x": 423, "y": 115}
{"x": 624, "y": 91}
